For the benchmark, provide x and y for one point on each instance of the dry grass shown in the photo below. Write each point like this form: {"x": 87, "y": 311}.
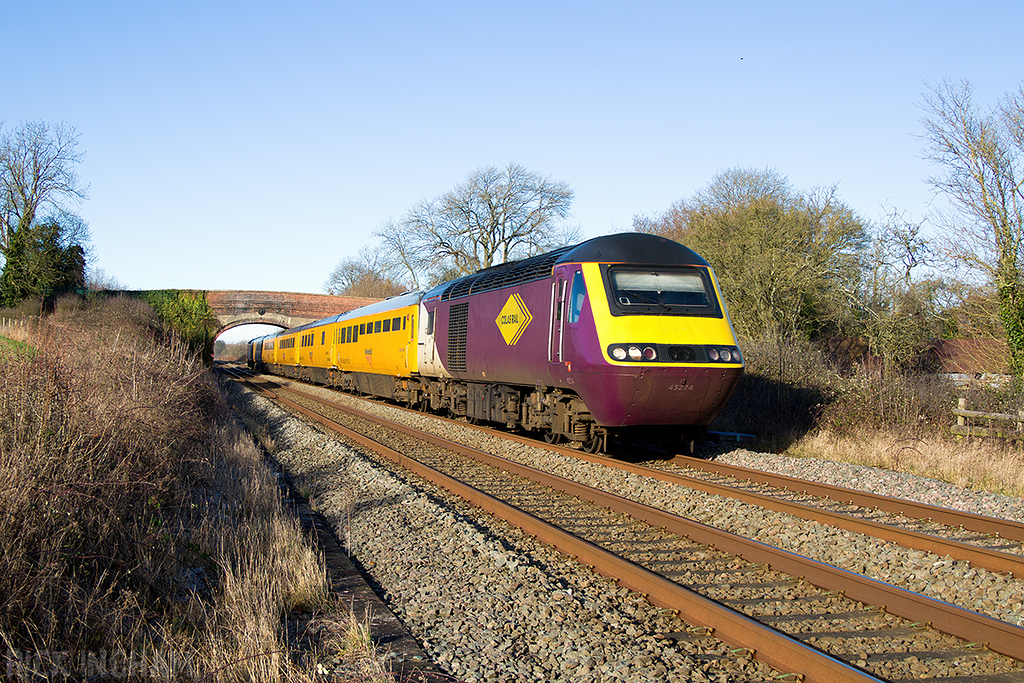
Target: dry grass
{"x": 976, "y": 464}
{"x": 344, "y": 638}
{"x": 135, "y": 515}
{"x": 16, "y": 330}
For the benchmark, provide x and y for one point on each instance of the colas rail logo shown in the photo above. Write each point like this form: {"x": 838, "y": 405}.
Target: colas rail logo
{"x": 513, "y": 319}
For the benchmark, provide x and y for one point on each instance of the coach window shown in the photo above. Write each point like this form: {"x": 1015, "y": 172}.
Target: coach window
{"x": 396, "y": 324}
{"x": 578, "y": 296}
{"x": 362, "y": 328}
{"x": 376, "y": 327}
{"x": 323, "y": 337}
{"x": 386, "y": 326}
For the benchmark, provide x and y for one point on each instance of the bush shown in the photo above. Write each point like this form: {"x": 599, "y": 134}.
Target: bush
{"x": 781, "y": 393}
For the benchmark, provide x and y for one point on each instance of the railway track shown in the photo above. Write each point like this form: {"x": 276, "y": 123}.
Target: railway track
{"x": 783, "y": 609}
{"x": 995, "y": 544}
{"x": 986, "y": 542}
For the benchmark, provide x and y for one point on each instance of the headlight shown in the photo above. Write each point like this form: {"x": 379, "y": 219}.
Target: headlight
{"x": 634, "y": 352}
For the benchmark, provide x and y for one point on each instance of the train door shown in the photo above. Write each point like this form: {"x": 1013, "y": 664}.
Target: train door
{"x": 556, "y": 341}
{"x": 428, "y": 358}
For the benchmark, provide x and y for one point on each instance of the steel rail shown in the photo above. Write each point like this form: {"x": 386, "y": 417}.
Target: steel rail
{"x": 999, "y": 636}
{"x": 991, "y": 526}
{"x": 776, "y": 649}
{"x": 986, "y": 558}
{"x": 1003, "y": 528}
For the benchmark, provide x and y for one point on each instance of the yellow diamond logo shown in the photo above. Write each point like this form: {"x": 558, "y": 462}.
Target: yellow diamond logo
{"x": 513, "y": 319}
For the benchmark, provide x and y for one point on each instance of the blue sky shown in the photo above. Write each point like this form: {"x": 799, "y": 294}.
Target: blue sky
{"x": 253, "y": 145}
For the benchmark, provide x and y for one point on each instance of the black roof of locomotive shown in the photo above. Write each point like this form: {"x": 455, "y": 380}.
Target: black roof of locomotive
{"x": 627, "y": 247}
{"x": 633, "y": 247}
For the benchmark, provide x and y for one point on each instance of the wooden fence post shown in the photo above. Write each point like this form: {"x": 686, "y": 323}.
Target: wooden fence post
{"x": 960, "y": 419}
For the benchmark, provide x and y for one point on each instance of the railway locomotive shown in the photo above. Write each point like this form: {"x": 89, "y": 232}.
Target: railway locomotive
{"x": 618, "y": 335}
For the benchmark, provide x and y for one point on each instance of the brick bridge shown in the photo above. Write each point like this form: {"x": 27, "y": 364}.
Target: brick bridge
{"x": 285, "y": 309}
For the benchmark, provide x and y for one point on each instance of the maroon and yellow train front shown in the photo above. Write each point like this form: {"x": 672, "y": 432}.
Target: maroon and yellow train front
{"x": 668, "y": 351}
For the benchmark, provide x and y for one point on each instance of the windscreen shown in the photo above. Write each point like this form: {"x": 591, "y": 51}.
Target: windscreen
{"x": 681, "y": 292}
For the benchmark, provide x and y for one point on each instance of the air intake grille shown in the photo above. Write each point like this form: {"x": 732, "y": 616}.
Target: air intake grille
{"x": 458, "y": 319}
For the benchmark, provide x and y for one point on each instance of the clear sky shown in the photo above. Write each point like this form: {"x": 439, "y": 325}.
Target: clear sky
{"x": 253, "y": 145}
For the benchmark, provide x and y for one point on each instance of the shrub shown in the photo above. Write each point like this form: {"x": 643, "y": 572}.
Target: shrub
{"x": 98, "y": 430}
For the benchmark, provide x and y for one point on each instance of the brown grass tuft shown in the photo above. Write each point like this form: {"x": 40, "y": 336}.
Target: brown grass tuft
{"x": 975, "y": 464}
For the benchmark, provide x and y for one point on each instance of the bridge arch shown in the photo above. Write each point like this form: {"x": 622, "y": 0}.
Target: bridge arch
{"x": 233, "y": 308}
{"x": 277, "y": 320}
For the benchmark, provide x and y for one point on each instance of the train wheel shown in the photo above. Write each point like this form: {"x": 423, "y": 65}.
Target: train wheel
{"x": 593, "y": 444}
{"x": 552, "y": 437}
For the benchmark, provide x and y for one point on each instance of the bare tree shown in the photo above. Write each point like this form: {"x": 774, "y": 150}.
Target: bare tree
{"x": 400, "y": 252}
{"x": 37, "y": 177}
{"x": 371, "y": 275}
{"x": 97, "y": 280}
{"x": 901, "y": 313}
{"x": 497, "y": 215}
{"x": 981, "y": 156}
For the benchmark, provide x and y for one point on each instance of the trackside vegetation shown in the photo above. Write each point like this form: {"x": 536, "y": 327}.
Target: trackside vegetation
{"x": 140, "y": 526}
{"x": 186, "y": 312}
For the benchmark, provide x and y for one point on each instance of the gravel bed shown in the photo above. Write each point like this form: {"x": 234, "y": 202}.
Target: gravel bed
{"x": 485, "y": 601}
{"x": 956, "y": 582}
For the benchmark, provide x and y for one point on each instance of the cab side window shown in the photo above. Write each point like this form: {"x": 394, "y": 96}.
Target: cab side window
{"x": 577, "y": 296}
